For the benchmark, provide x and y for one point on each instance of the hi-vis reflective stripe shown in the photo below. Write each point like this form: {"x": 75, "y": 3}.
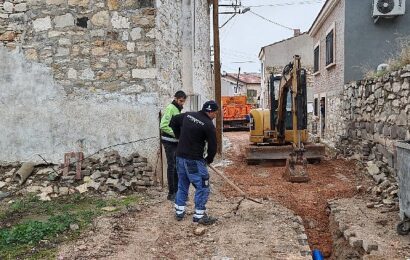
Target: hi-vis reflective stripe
{"x": 169, "y": 139}
{"x": 199, "y": 211}
{"x": 179, "y": 209}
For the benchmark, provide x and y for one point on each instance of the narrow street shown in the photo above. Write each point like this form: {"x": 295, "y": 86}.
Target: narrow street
{"x": 293, "y": 219}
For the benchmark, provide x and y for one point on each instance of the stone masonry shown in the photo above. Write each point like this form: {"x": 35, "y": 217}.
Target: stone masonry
{"x": 365, "y": 121}
{"x": 88, "y": 74}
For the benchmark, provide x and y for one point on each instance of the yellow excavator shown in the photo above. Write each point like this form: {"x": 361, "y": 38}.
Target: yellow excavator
{"x": 280, "y": 133}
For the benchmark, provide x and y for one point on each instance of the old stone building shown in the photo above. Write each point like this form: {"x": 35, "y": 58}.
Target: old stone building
{"x": 81, "y": 75}
{"x": 347, "y": 41}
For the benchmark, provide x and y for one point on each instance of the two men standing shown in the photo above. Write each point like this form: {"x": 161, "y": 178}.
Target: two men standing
{"x": 196, "y": 148}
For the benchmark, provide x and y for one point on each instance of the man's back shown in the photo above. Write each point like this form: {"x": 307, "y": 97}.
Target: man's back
{"x": 193, "y": 129}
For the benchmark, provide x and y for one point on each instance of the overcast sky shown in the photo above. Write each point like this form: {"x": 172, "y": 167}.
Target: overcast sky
{"x": 243, "y": 36}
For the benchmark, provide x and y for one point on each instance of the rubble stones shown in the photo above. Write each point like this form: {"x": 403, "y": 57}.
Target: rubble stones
{"x": 110, "y": 173}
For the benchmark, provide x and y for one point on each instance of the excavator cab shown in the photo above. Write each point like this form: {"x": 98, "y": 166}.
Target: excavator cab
{"x": 280, "y": 133}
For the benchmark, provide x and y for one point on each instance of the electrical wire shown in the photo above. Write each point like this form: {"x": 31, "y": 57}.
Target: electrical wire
{"x": 266, "y": 19}
{"x": 288, "y": 4}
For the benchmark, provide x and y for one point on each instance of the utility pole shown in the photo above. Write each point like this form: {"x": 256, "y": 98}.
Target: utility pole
{"x": 217, "y": 70}
{"x": 237, "y": 81}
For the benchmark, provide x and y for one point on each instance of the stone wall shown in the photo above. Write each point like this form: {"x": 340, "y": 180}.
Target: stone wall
{"x": 378, "y": 115}
{"x": 367, "y": 118}
{"x": 87, "y": 74}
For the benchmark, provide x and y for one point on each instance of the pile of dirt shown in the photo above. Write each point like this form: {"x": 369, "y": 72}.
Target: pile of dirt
{"x": 330, "y": 179}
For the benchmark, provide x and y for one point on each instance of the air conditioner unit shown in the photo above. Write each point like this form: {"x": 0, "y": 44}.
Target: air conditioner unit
{"x": 388, "y": 8}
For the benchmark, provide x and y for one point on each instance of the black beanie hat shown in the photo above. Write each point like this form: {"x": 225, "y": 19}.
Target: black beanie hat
{"x": 210, "y": 106}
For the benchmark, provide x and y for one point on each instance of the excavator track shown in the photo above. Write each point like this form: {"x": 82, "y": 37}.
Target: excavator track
{"x": 279, "y": 154}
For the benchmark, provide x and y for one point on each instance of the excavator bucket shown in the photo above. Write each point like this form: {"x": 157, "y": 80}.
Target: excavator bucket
{"x": 296, "y": 167}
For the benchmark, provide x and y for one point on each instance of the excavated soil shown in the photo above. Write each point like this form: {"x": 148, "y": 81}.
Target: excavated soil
{"x": 329, "y": 180}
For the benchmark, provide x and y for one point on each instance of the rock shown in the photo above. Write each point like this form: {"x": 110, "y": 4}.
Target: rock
{"x": 74, "y": 227}
{"x": 8, "y": 7}
{"x": 355, "y": 242}
{"x": 199, "y": 231}
{"x": 45, "y": 171}
{"x": 385, "y": 184}
{"x": 120, "y": 187}
{"x": 47, "y": 190}
{"x": 82, "y": 247}
{"x": 379, "y": 177}
{"x": 10, "y": 173}
{"x": 109, "y": 209}
{"x": 63, "y": 191}
{"x": 64, "y": 20}
{"x": 82, "y": 188}
{"x": 388, "y": 202}
{"x": 52, "y": 176}
{"x": 4, "y": 195}
{"x": 2, "y": 184}
{"x": 373, "y": 169}
{"x": 8, "y": 180}
{"x": 42, "y": 24}
{"x": 94, "y": 185}
{"x": 349, "y": 233}
{"x": 370, "y": 205}
{"x": 44, "y": 197}
{"x": 33, "y": 189}
{"x": 96, "y": 175}
{"x": 369, "y": 246}
{"x": 87, "y": 179}
{"x": 101, "y": 19}
{"x": 111, "y": 182}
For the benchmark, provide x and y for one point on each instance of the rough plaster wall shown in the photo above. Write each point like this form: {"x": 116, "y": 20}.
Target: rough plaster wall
{"x": 39, "y": 117}
{"x": 201, "y": 49}
{"x": 331, "y": 80}
{"x": 279, "y": 54}
{"x": 169, "y": 49}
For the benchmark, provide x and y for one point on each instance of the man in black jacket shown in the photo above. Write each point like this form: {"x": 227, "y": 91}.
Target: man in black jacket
{"x": 195, "y": 130}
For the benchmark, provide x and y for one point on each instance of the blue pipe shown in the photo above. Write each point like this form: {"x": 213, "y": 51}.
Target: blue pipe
{"x": 317, "y": 255}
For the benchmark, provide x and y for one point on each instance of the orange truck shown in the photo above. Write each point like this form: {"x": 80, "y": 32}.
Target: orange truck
{"x": 235, "y": 112}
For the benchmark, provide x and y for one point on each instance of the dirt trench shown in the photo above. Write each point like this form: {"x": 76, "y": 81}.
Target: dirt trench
{"x": 330, "y": 179}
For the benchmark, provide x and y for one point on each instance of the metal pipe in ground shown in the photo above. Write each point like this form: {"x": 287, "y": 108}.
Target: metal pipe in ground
{"x": 243, "y": 194}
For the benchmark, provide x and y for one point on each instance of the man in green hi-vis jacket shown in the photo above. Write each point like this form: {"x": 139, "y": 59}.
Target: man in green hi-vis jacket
{"x": 170, "y": 143}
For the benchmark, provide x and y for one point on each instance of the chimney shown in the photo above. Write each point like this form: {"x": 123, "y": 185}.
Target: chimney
{"x": 296, "y": 32}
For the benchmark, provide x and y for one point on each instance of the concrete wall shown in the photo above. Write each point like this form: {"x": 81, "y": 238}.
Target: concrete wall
{"x": 373, "y": 43}
{"x": 65, "y": 86}
{"x": 279, "y": 54}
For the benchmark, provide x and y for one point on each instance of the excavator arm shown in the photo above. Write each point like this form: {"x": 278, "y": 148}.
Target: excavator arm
{"x": 293, "y": 79}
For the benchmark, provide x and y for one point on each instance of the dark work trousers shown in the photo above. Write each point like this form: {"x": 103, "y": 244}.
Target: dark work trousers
{"x": 172, "y": 176}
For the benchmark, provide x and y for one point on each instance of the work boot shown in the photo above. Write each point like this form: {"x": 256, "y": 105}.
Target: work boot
{"x": 179, "y": 217}
{"x": 205, "y": 220}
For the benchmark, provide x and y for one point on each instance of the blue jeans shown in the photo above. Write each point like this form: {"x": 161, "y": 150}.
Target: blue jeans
{"x": 195, "y": 172}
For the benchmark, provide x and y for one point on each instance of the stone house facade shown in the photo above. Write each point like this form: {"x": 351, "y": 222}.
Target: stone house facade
{"x": 347, "y": 41}
{"x": 82, "y": 75}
